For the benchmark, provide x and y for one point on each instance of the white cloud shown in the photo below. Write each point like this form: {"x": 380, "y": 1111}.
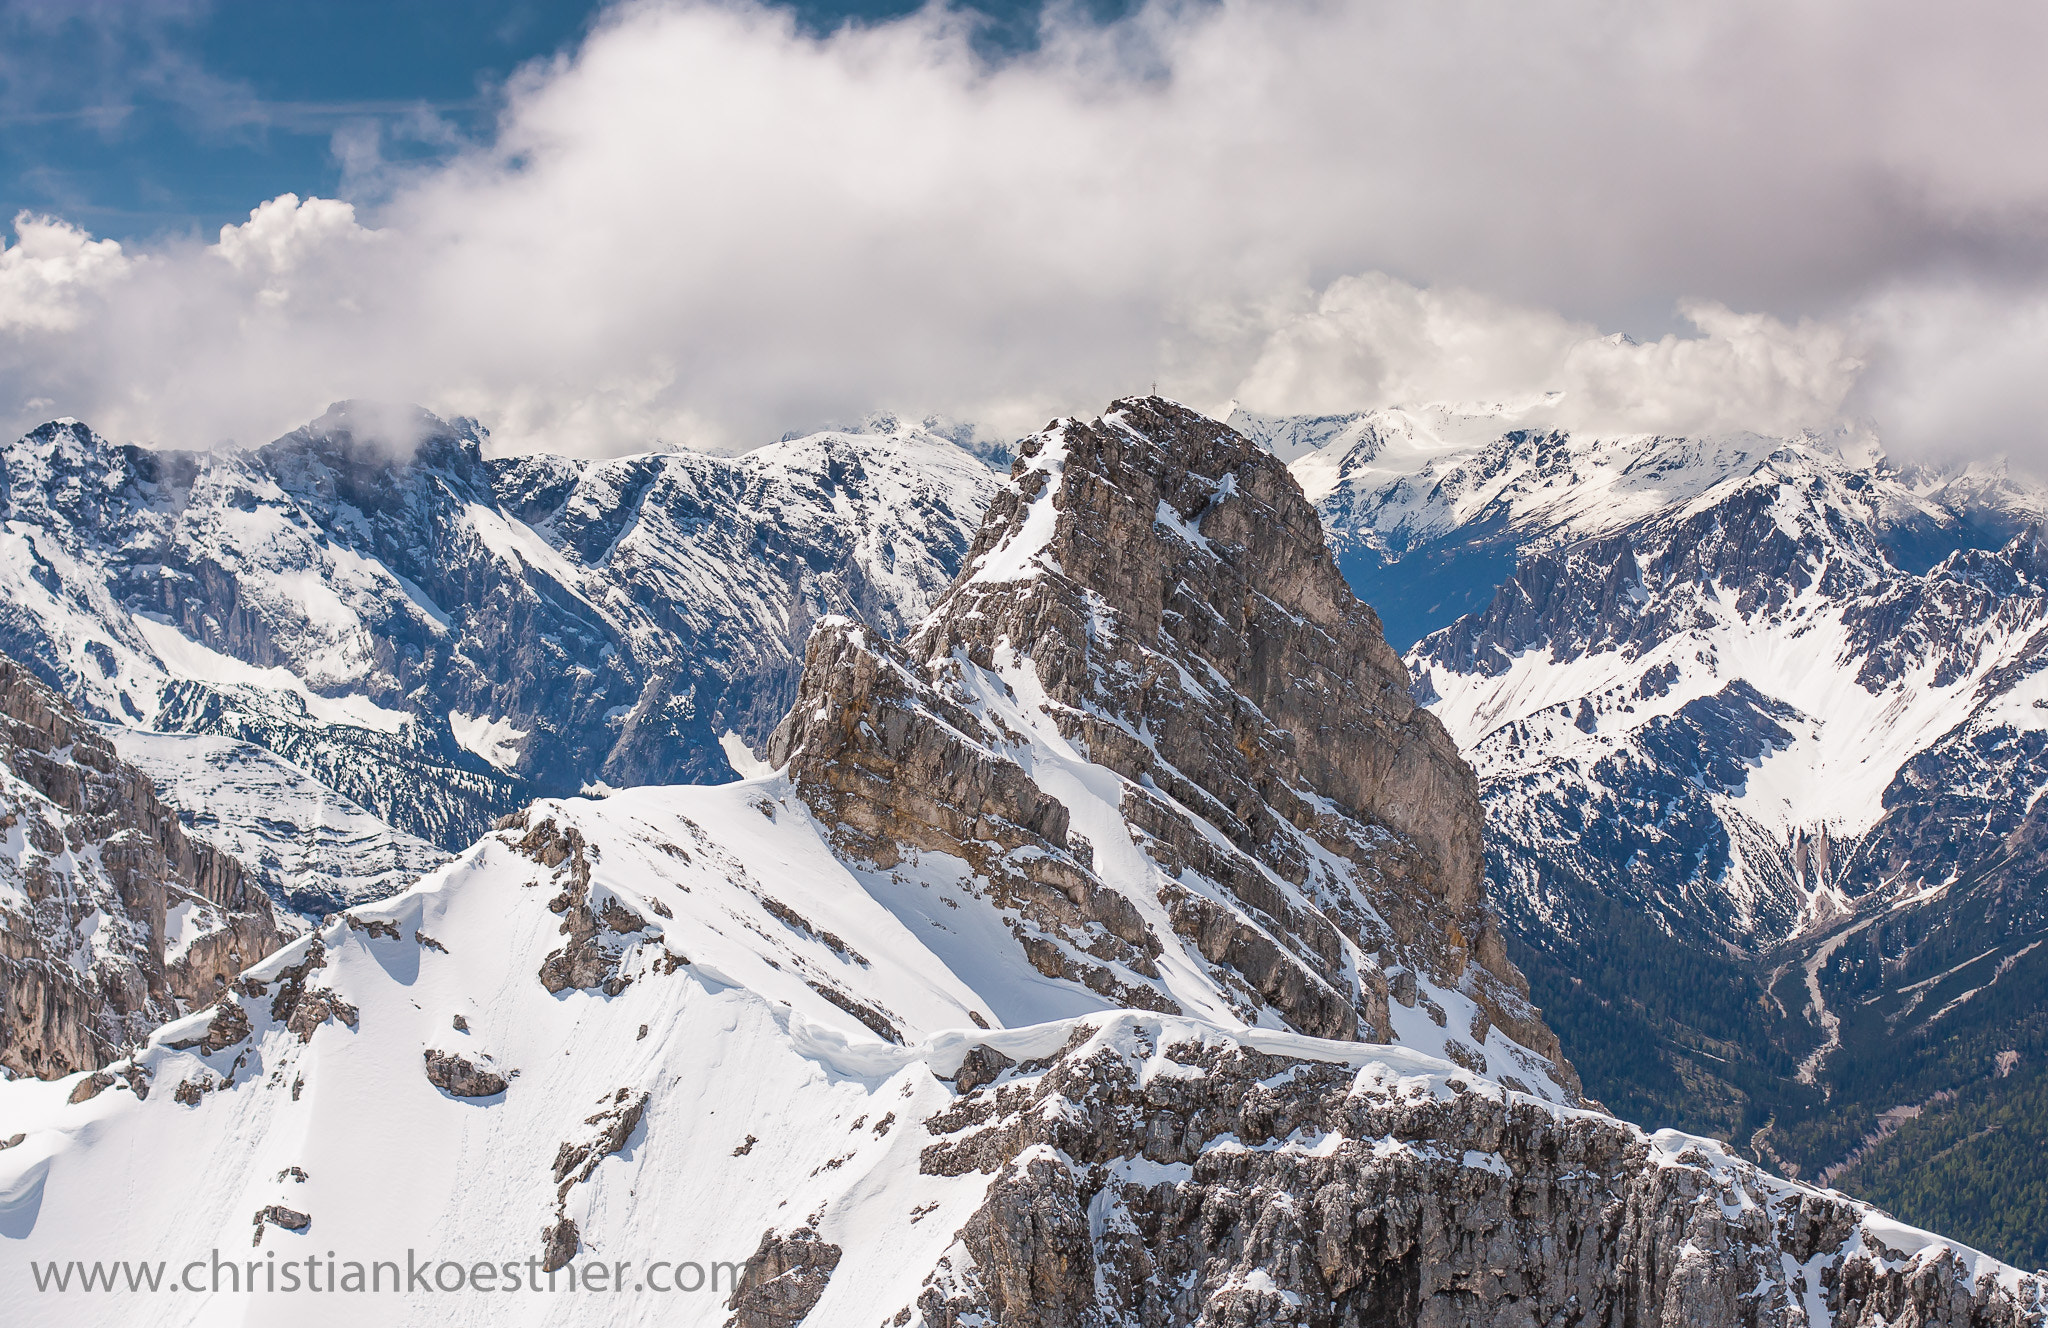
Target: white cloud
{"x": 286, "y": 234}
{"x": 1375, "y": 339}
{"x": 706, "y": 227}
{"x": 1961, "y": 370}
{"x": 51, "y": 272}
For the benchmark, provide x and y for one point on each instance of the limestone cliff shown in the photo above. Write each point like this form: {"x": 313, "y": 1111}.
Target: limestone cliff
{"x": 112, "y": 920}
{"x": 1150, "y": 1174}
{"x": 1155, "y": 591}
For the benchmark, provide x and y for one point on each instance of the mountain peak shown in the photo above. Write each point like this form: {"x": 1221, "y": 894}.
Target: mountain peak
{"x": 1175, "y": 753}
{"x": 1143, "y": 752}
{"x": 359, "y": 440}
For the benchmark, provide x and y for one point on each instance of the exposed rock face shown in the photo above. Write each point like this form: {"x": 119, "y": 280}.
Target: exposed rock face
{"x": 783, "y": 1281}
{"x": 559, "y": 1244}
{"x": 458, "y": 1076}
{"x": 277, "y": 1215}
{"x": 609, "y": 1129}
{"x": 112, "y": 920}
{"x": 597, "y": 932}
{"x": 1145, "y": 1175}
{"x": 1155, "y": 589}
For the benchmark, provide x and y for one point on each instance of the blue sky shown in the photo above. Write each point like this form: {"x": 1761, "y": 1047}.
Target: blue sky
{"x": 138, "y": 119}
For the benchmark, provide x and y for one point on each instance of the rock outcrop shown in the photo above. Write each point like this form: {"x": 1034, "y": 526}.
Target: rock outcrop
{"x": 1159, "y": 1175}
{"x": 458, "y": 1076}
{"x": 1153, "y": 591}
{"x": 112, "y": 920}
{"x": 783, "y": 1281}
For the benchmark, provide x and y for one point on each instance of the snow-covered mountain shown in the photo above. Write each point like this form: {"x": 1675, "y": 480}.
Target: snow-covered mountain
{"x": 1717, "y": 671}
{"x": 1762, "y": 730}
{"x": 1757, "y": 674}
{"x": 371, "y": 612}
{"x": 990, "y": 1006}
{"x": 1430, "y": 508}
{"x": 1153, "y": 719}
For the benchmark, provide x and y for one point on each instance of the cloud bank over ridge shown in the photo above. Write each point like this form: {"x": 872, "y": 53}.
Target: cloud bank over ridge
{"x": 707, "y": 227}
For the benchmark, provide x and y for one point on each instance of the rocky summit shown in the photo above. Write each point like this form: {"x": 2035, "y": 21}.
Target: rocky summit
{"x": 1112, "y": 950}
{"x": 1152, "y": 597}
{"x": 112, "y": 920}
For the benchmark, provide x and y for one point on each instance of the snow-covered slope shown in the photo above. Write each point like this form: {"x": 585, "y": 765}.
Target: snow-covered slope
{"x": 1717, "y": 705}
{"x": 859, "y": 1029}
{"x": 708, "y": 1106}
{"x": 430, "y": 637}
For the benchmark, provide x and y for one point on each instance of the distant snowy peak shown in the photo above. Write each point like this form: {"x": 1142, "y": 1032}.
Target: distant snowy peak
{"x": 1399, "y": 478}
{"x": 1453, "y": 495}
{"x": 891, "y": 506}
{"x": 434, "y": 636}
{"x": 963, "y": 434}
{"x": 1678, "y": 701}
{"x": 1292, "y": 437}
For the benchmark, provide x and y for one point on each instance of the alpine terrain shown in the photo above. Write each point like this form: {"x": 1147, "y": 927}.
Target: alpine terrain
{"x": 1761, "y": 726}
{"x": 112, "y": 919}
{"x": 1113, "y": 946}
{"x": 346, "y": 653}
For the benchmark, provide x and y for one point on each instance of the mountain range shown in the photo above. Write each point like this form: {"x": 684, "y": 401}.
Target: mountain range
{"x": 1102, "y": 759}
{"x": 1761, "y": 726}
{"x": 1113, "y": 946}
{"x": 350, "y": 651}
